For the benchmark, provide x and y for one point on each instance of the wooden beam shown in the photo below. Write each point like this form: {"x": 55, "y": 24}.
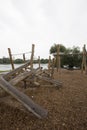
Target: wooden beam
{"x": 49, "y": 63}
{"x": 6, "y": 76}
{"x": 24, "y": 57}
{"x": 52, "y": 70}
{"x": 22, "y": 76}
{"x": 32, "y": 54}
{"x": 50, "y": 80}
{"x": 84, "y": 65}
{"x": 39, "y": 61}
{"x": 37, "y": 110}
{"x": 11, "y": 60}
{"x": 58, "y": 57}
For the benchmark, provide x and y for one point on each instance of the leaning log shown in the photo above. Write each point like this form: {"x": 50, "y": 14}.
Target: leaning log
{"x": 24, "y": 99}
{"x": 50, "y": 80}
{"x": 17, "y": 70}
{"x": 22, "y": 76}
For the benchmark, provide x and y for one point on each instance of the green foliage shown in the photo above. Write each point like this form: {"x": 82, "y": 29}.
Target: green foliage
{"x": 4, "y": 60}
{"x": 18, "y": 61}
{"x": 53, "y": 49}
{"x": 68, "y": 59}
{"x": 44, "y": 61}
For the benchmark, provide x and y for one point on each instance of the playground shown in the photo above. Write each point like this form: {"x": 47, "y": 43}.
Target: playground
{"x": 53, "y": 99}
{"x": 67, "y": 106}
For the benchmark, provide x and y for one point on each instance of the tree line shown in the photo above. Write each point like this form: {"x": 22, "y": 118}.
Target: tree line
{"x": 6, "y": 60}
{"x": 71, "y": 56}
{"x": 71, "y": 60}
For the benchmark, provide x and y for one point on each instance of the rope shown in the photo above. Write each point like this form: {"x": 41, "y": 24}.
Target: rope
{"x": 20, "y": 53}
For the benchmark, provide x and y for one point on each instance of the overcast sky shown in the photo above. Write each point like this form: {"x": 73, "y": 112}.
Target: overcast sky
{"x": 43, "y": 23}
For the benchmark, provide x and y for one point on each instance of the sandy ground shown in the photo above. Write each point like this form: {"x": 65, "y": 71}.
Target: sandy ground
{"x": 66, "y": 106}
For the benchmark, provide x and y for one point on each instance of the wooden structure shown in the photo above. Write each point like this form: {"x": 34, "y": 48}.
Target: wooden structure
{"x": 7, "y": 81}
{"x": 26, "y": 73}
{"x": 24, "y": 59}
{"x": 59, "y": 54}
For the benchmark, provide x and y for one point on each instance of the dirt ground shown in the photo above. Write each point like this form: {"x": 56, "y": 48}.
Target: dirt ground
{"x": 66, "y": 106}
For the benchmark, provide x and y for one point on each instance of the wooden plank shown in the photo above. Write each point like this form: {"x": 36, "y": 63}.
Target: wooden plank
{"x": 24, "y": 99}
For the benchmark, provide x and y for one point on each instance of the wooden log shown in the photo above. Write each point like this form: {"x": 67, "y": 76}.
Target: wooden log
{"x": 84, "y": 65}
{"x": 36, "y": 84}
{"x": 37, "y": 110}
{"x": 52, "y": 70}
{"x": 6, "y": 76}
{"x": 58, "y": 58}
{"x": 49, "y": 63}
{"x": 32, "y": 55}
{"x": 11, "y": 60}
{"x": 24, "y": 57}
{"x": 39, "y": 61}
{"x": 50, "y": 80}
{"x": 22, "y": 76}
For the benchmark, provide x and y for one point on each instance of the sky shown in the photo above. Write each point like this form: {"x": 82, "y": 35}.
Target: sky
{"x": 43, "y": 23}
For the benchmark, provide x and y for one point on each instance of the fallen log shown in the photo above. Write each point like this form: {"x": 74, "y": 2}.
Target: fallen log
{"x": 50, "y": 80}
{"x": 24, "y": 99}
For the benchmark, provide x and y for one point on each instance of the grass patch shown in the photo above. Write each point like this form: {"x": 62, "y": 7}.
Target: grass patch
{"x": 1, "y": 71}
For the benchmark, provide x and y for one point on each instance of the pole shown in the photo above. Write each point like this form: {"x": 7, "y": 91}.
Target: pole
{"x": 39, "y": 61}
{"x": 11, "y": 60}
{"x": 32, "y": 54}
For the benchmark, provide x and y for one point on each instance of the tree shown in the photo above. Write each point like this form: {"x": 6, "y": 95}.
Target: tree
{"x": 71, "y": 56}
{"x": 18, "y": 61}
{"x": 5, "y": 60}
{"x": 53, "y": 48}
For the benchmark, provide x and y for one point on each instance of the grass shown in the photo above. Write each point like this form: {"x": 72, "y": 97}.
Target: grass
{"x": 1, "y": 71}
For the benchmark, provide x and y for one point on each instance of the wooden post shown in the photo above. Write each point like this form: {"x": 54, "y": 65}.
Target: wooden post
{"x": 49, "y": 63}
{"x": 82, "y": 61}
{"x": 85, "y": 59}
{"x": 84, "y": 66}
{"x": 23, "y": 99}
{"x": 58, "y": 58}
{"x": 10, "y": 56}
{"x": 52, "y": 71}
{"x": 32, "y": 54}
{"x": 39, "y": 61}
{"x": 24, "y": 57}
